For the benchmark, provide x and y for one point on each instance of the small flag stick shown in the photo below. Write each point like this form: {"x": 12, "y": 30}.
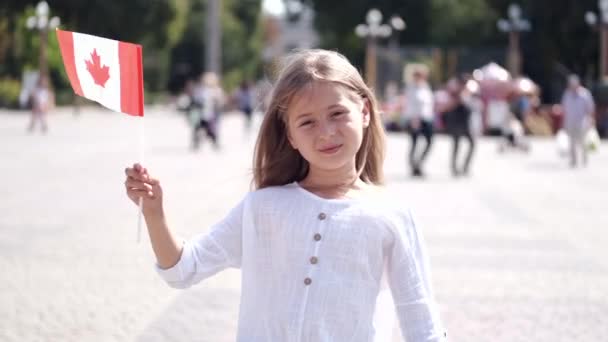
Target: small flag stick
{"x": 141, "y": 158}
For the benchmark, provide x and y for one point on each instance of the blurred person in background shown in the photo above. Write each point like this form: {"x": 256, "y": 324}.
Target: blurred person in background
{"x": 191, "y": 108}
{"x": 578, "y": 108}
{"x": 207, "y": 102}
{"x": 513, "y": 129}
{"x": 261, "y": 95}
{"x": 472, "y": 99}
{"x": 419, "y": 116}
{"x": 42, "y": 100}
{"x": 391, "y": 107}
{"x": 457, "y": 123}
{"x": 243, "y": 97}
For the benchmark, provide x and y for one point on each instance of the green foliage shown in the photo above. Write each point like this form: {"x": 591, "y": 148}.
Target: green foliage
{"x": 138, "y": 21}
{"x": 171, "y": 32}
{"x": 176, "y": 27}
{"x": 241, "y": 44}
{"x": 560, "y": 41}
{"x": 9, "y": 92}
{"x": 26, "y": 50}
{"x": 463, "y": 22}
{"x": 186, "y": 57}
{"x": 336, "y": 22}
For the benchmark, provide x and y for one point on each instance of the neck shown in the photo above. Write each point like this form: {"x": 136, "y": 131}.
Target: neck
{"x": 332, "y": 183}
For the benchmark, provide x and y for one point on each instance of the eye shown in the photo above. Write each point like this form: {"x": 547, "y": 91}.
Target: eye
{"x": 336, "y": 114}
{"x": 305, "y": 123}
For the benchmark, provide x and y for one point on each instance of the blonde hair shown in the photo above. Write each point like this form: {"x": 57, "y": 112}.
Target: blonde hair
{"x": 275, "y": 162}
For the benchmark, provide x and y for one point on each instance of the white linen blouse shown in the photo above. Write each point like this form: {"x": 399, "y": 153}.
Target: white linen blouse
{"x": 312, "y": 268}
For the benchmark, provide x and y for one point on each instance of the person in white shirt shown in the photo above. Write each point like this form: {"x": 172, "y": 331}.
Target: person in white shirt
{"x": 207, "y": 101}
{"x": 420, "y": 118}
{"x": 578, "y": 107}
{"x": 42, "y": 100}
{"x": 318, "y": 241}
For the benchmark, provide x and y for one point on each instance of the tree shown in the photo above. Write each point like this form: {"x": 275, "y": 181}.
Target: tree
{"x": 465, "y": 22}
{"x": 241, "y": 43}
{"x": 339, "y": 34}
{"x": 138, "y": 21}
{"x": 559, "y": 43}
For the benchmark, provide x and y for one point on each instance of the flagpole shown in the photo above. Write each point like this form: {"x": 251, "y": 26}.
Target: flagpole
{"x": 141, "y": 159}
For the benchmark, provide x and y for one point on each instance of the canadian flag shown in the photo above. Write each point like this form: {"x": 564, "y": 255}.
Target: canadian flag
{"x": 104, "y": 70}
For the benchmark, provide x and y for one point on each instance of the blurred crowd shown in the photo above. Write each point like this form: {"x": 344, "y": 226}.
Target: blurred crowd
{"x": 489, "y": 102}
{"x": 204, "y": 101}
{"x": 486, "y": 102}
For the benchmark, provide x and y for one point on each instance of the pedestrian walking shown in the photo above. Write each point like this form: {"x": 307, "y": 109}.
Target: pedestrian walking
{"x": 244, "y": 100}
{"x": 42, "y": 101}
{"x": 207, "y": 103}
{"x": 458, "y": 126}
{"x": 420, "y": 116}
{"x": 578, "y": 108}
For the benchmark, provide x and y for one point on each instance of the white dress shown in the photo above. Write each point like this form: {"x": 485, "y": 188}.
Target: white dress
{"x": 312, "y": 268}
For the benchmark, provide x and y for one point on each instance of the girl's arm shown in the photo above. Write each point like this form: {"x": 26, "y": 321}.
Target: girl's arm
{"x": 208, "y": 253}
{"x": 183, "y": 264}
{"x": 164, "y": 243}
{"x": 409, "y": 279}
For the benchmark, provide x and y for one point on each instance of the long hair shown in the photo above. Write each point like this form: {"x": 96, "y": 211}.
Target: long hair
{"x": 275, "y": 162}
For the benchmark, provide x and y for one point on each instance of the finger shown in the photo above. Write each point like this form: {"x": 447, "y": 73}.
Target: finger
{"x": 152, "y": 181}
{"x": 145, "y": 178}
{"x": 140, "y": 193}
{"x": 132, "y": 173}
{"x": 137, "y": 175}
{"x": 137, "y": 185}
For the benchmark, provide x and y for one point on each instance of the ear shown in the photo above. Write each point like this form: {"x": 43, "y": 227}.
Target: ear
{"x": 366, "y": 112}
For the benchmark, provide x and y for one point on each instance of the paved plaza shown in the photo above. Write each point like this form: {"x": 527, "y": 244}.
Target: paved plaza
{"x": 519, "y": 250}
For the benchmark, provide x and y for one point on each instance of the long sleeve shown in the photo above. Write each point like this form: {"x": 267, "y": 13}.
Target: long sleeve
{"x": 410, "y": 283}
{"x": 208, "y": 253}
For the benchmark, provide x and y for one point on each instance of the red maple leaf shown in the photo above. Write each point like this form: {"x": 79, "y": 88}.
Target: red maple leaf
{"x": 100, "y": 73}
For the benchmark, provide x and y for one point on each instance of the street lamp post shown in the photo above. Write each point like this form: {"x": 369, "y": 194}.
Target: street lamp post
{"x": 372, "y": 31}
{"x": 213, "y": 58}
{"x": 398, "y": 25}
{"x": 513, "y": 26}
{"x": 592, "y": 19}
{"x": 41, "y": 22}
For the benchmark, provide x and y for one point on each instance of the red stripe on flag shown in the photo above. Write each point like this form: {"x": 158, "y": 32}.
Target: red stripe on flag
{"x": 131, "y": 79}
{"x": 66, "y": 44}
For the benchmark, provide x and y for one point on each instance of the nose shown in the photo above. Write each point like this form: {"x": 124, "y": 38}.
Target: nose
{"x": 327, "y": 128}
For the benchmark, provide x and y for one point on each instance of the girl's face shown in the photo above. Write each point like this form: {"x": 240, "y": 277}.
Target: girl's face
{"x": 325, "y": 124}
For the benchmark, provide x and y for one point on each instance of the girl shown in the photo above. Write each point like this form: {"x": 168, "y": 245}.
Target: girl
{"x": 315, "y": 241}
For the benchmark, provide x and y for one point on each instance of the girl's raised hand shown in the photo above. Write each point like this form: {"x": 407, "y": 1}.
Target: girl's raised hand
{"x": 138, "y": 184}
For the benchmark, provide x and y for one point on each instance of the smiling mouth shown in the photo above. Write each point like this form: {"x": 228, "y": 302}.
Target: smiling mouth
{"x": 330, "y": 149}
